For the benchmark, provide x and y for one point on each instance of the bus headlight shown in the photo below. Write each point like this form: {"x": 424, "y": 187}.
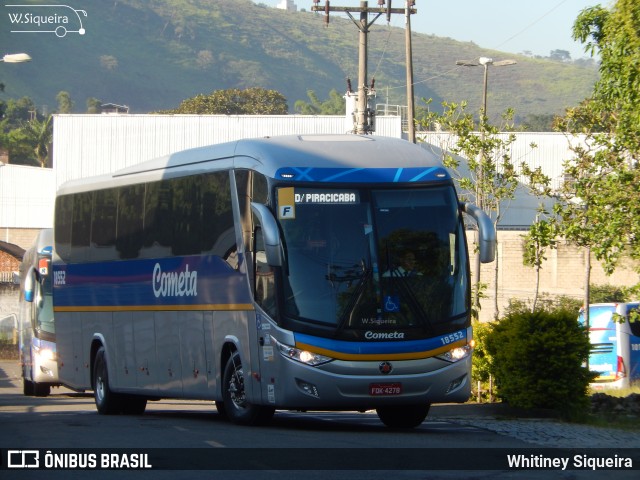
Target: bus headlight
{"x": 302, "y": 356}
{"x": 456, "y": 354}
{"x": 44, "y": 353}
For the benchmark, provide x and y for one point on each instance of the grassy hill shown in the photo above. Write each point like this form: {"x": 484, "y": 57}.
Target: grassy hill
{"x": 151, "y": 54}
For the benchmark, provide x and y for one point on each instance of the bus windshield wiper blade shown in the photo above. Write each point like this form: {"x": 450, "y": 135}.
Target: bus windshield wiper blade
{"x": 400, "y": 282}
{"x": 356, "y": 295}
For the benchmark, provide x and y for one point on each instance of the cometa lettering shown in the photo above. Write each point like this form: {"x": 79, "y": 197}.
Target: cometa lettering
{"x": 174, "y": 284}
{"x": 369, "y": 335}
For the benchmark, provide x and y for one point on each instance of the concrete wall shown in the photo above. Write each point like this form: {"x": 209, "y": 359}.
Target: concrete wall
{"x": 563, "y": 273}
{"x": 23, "y": 237}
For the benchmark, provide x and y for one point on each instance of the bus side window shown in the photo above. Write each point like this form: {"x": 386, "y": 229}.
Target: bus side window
{"x": 63, "y": 221}
{"x": 264, "y": 277}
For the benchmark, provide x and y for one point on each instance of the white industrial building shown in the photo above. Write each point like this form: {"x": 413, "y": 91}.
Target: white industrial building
{"x": 87, "y": 145}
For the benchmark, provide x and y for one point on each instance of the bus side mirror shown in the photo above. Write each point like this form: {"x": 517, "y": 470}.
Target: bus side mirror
{"x": 487, "y": 234}
{"x": 271, "y": 234}
{"x": 29, "y": 285}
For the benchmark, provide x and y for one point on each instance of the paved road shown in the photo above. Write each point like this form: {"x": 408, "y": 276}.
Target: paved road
{"x": 451, "y": 433}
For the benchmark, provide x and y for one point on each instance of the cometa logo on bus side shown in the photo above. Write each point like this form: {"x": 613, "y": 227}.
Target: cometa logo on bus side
{"x": 174, "y": 284}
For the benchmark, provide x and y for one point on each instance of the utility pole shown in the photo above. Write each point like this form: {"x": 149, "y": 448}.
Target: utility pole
{"x": 411, "y": 126}
{"x": 365, "y": 116}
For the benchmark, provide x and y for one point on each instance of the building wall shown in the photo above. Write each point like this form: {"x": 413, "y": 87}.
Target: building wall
{"x": 26, "y": 198}
{"x": 9, "y": 307}
{"x": 23, "y": 237}
{"x": 550, "y": 153}
{"x": 563, "y": 273}
{"x": 87, "y": 145}
{"x": 9, "y": 297}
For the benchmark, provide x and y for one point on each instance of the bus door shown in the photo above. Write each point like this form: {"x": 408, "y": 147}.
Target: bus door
{"x": 265, "y": 298}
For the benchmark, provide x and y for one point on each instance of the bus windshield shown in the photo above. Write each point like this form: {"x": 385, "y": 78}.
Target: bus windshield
{"x": 600, "y": 317}
{"x": 375, "y": 259}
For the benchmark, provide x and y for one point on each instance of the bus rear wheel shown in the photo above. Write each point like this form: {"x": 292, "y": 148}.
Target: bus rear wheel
{"x": 409, "y": 416}
{"x": 107, "y": 402}
{"x": 236, "y": 406}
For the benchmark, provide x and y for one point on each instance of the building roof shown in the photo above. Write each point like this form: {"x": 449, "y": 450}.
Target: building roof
{"x": 13, "y": 250}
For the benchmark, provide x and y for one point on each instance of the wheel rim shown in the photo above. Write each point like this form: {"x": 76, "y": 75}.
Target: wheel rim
{"x": 99, "y": 388}
{"x": 236, "y": 386}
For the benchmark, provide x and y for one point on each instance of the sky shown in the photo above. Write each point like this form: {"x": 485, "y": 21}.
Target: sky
{"x": 513, "y": 26}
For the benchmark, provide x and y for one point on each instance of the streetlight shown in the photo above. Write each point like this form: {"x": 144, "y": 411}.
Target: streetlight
{"x": 15, "y": 58}
{"x": 485, "y": 62}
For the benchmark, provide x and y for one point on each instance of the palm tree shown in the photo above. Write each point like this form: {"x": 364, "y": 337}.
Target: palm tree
{"x": 40, "y": 135}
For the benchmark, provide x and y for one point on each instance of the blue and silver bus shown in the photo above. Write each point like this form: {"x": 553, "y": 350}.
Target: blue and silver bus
{"x": 614, "y": 332}
{"x": 263, "y": 274}
{"x": 36, "y": 327}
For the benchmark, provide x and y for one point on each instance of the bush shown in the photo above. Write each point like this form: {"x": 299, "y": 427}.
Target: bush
{"x": 608, "y": 294}
{"x": 481, "y": 359}
{"x": 537, "y": 360}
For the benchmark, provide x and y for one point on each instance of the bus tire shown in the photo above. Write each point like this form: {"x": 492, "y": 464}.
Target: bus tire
{"x": 221, "y": 410}
{"x": 236, "y": 406}
{"x": 107, "y": 402}
{"x": 41, "y": 390}
{"x": 408, "y": 416}
{"x": 28, "y": 387}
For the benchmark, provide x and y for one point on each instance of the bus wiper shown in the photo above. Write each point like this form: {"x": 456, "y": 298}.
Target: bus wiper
{"x": 399, "y": 282}
{"x": 355, "y": 297}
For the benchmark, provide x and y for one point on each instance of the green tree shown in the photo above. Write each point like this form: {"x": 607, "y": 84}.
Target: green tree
{"x": 334, "y": 105}
{"x": 542, "y": 235}
{"x": 16, "y": 112}
{"x": 480, "y": 157}
{"x": 538, "y": 123}
{"x": 93, "y": 105}
{"x": 560, "y": 55}
{"x": 615, "y": 35}
{"x": 250, "y": 101}
{"x": 39, "y": 134}
{"x": 600, "y": 203}
{"x": 65, "y": 104}
{"x": 20, "y": 149}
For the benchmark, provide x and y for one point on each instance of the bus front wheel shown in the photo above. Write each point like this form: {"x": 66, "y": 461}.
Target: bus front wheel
{"x": 236, "y": 406}
{"x": 403, "y": 417}
{"x": 107, "y": 402}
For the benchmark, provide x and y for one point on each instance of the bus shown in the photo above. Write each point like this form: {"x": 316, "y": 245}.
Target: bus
{"x": 261, "y": 274}
{"x": 614, "y": 332}
{"x": 36, "y": 328}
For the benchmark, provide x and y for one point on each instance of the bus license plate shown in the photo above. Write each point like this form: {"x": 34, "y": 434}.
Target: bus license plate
{"x": 379, "y": 389}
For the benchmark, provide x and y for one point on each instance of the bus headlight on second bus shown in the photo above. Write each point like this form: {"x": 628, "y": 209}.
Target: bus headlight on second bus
{"x": 302, "y": 356}
{"x": 456, "y": 354}
{"x": 44, "y": 353}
